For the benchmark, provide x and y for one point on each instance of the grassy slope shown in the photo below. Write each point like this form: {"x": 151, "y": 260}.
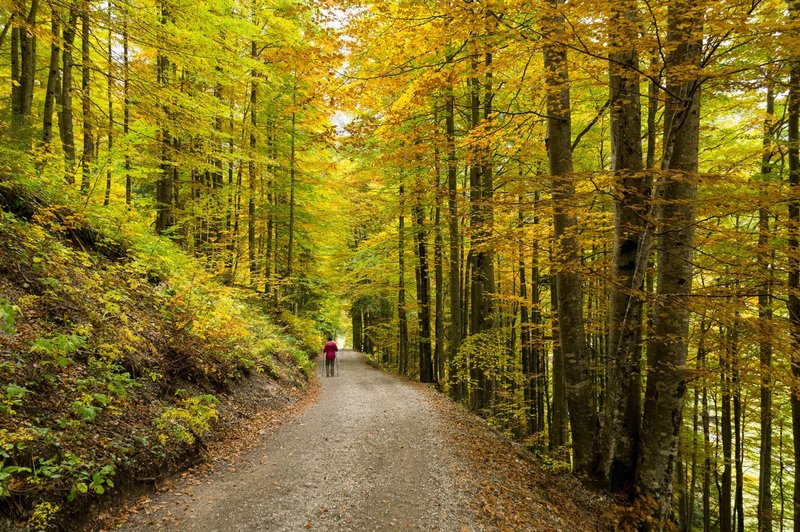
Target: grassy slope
{"x": 114, "y": 354}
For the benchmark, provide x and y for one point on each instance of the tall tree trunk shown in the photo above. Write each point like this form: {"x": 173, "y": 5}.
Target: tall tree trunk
{"x": 706, "y": 425}
{"x": 110, "y": 133}
{"x": 559, "y": 426}
{"x": 402, "y": 320}
{"x": 358, "y": 328}
{"x": 725, "y": 420}
{"x": 666, "y": 379}
{"x": 423, "y": 285}
{"x": 695, "y": 453}
{"x": 580, "y": 396}
{"x": 454, "y": 241}
{"x": 738, "y": 428}
{"x": 24, "y": 37}
{"x": 765, "y": 328}
{"x": 16, "y": 36}
{"x": 251, "y": 167}
{"x": 28, "y": 63}
{"x": 537, "y": 351}
{"x": 438, "y": 274}
{"x": 268, "y": 259}
{"x": 292, "y": 177}
{"x": 653, "y": 102}
{"x": 475, "y": 268}
{"x": 126, "y": 104}
{"x": 86, "y": 100}
{"x": 164, "y": 196}
{"x": 620, "y": 433}
{"x": 793, "y": 227}
{"x": 66, "y": 125}
{"x": 485, "y": 255}
{"x": 53, "y": 77}
{"x": 525, "y": 326}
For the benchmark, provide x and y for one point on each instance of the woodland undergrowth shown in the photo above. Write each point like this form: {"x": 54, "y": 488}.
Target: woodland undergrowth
{"x": 116, "y": 349}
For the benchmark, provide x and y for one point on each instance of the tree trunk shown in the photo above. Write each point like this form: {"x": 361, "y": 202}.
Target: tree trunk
{"x": 725, "y": 421}
{"x": 653, "y": 102}
{"x": 695, "y": 453}
{"x": 537, "y": 350}
{"x": 86, "y": 100}
{"x": 438, "y": 274}
{"x": 485, "y": 255}
{"x": 402, "y": 320}
{"x": 706, "y": 424}
{"x": 268, "y": 259}
{"x": 528, "y": 407}
{"x": 110, "y": 133}
{"x": 559, "y": 426}
{"x": 16, "y": 35}
{"x": 793, "y": 227}
{"x": 66, "y": 126}
{"x": 164, "y": 195}
{"x": 454, "y": 240}
{"x": 620, "y": 433}
{"x": 24, "y": 36}
{"x": 666, "y": 380}
{"x": 580, "y": 396}
{"x": 423, "y": 286}
{"x": 358, "y": 329}
{"x": 738, "y": 428}
{"x": 126, "y": 112}
{"x": 765, "y": 328}
{"x": 251, "y": 168}
{"x": 53, "y": 77}
{"x": 292, "y": 174}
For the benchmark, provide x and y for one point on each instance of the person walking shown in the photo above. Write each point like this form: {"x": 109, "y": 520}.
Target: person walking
{"x": 330, "y": 350}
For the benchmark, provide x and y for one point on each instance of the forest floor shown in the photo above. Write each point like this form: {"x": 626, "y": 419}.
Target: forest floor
{"x": 369, "y": 451}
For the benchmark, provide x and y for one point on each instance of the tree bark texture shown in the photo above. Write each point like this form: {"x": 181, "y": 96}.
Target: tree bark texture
{"x": 764, "y": 509}
{"x": 793, "y": 226}
{"x": 666, "y": 378}
{"x": 402, "y": 320}
{"x": 454, "y": 240}
{"x": 86, "y": 100}
{"x": 580, "y": 396}
{"x": 66, "y": 125}
{"x": 423, "y": 285}
{"x": 24, "y": 36}
{"x": 620, "y": 433}
{"x": 53, "y": 76}
{"x": 251, "y": 169}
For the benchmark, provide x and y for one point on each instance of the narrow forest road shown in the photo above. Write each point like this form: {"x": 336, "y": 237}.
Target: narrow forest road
{"x": 369, "y": 455}
{"x": 373, "y": 453}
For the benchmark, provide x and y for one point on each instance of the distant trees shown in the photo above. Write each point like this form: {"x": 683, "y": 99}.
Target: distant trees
{"x": 151, "y": 98}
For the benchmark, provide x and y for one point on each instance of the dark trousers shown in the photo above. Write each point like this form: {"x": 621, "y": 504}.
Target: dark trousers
{"x": 329, "y": 367}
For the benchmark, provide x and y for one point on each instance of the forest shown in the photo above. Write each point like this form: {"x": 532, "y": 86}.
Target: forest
{"x": 579, "y": 220}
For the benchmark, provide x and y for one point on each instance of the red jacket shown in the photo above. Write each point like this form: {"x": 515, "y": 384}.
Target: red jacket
{"x": 330, "y": 350}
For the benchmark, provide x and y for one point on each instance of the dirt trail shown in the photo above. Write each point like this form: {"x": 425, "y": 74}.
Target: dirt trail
{"x": 371, "y": 454}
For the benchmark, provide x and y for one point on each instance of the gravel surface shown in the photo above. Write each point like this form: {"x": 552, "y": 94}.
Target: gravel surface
{"x": 371, "y": 454}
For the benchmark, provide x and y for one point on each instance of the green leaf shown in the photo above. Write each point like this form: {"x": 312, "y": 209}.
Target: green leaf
{"x": 16, "y": 469}
{"x": 81, "y": 487}
{"x": 14, "y": 391}
{"x": 101, "y": 398}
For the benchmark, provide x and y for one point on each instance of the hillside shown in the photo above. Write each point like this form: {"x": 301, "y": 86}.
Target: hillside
{"x": 120, "y": 358}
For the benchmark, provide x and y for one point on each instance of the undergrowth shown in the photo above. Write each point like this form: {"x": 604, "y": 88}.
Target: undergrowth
{"x": 114, "y": 348}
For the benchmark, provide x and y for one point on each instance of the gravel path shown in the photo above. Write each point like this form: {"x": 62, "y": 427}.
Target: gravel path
{"x": 370, "y": 454}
